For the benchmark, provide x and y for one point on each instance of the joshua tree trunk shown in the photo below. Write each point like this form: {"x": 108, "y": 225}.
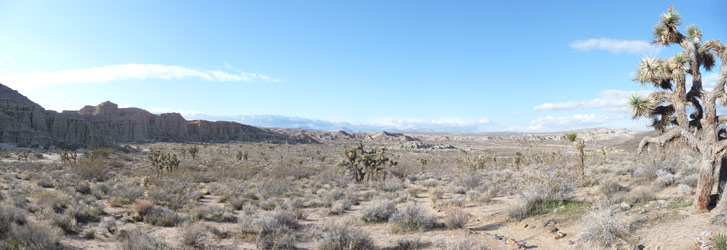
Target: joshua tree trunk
{"x": 583, "y": 164}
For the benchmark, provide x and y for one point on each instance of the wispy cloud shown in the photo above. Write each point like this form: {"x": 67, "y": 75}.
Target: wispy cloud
{"x": 124, "y": 72}
{"x": 616, "y": 46}
{"x": 609, "y": 100}
{"x": 183, "y": 112}
{"x": 551, "y": 123}
{"x": 453, "y": 124}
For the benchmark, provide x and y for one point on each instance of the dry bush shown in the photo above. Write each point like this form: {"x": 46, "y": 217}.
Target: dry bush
{"x": 10, "y": 216}
{"x": 163, "y": 217}
{"x": 193, "y": 234}
{"x": 468, "y": 181}
{"x": 412, "y": 217}
{"x": 462, "y": 244}
{"x": 378, "y": 210}
{"x": 410, "y": 243}
{"x": 174, "y": 193}
{"x": 456, "y": 218}
{"x": 65, "y": 222}
{"x": 92, "y": 168}
{"x": 213, "y": 213}
{"x": 142, "y": 207}
{"x": 33, "y": 235}
{"x": 137, "y": 240}
{"x": 604, "y": 227}
{"x": 345, "y": 236}
{"x": 684, "y": 189}
{"x": 277, "y": 230}
{"x": 108, "y": 223}
{"x": 666, "y": 178}
{"x": 52, "y": 199}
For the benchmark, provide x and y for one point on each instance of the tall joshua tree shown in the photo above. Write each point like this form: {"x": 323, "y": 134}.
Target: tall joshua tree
{"x": 669, "y": 104}
{"x": 579, "y": 145}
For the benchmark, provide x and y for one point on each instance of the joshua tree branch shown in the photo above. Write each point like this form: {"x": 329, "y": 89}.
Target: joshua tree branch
{"x": 659, "y": 140}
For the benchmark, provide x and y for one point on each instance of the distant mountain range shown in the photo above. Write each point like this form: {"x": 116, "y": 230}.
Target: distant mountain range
{"x": 279, "y": 121}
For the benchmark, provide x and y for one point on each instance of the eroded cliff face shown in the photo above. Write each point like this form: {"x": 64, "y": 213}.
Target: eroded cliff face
{"x": 26, "y": 123}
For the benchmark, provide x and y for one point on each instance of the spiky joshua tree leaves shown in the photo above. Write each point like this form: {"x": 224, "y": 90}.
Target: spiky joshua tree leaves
{"x": 669, "y": 104}
{"x": 362, "y": 163}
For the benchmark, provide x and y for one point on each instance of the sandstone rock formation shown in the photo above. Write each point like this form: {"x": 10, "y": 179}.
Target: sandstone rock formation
{"x": 25, "y": 123}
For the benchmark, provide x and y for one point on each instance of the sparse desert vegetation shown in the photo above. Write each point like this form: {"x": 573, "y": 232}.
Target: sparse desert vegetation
{"x": 224, "y": 185}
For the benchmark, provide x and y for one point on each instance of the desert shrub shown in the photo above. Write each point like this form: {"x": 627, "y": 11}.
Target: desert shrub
{"x": 92, "y": 168}
{"x": 690, "y": 180}
{"x": 666, "y": 178}
{"x": 611, "y": 187}
{"x": 137, "y": 240}
{"x": 277, "y": 230}
{"x": 247, "y": 223}
{"x": 192, "y": 234}
{"x": 468, "y": 181}
{"x": 83, "y": 188}
{"x": 84, "y": 213}
{"x": 142, "y": 207}
{"x": 391, "y": 185}
{"x": 410, "y": 243}
{"x": 33, "y": 235}
{"x": 604, "y": 227}
{"x": 10, "y": 216}
{"x": 481, "y": 194}
{"x": 45, "y": 182}
{"x": 173, "y": 193}
{"x": 163, "y": 217}
{"x": 272, "y": 188}
{"x": 338, "y": 207}
{"x": 108, "y": 223}
{"x": 720, "y": 241}
{"x": 213, "y": 213}
{"x": 378, "y": 210}
{"x": 129, "y": 191}
{"x": 88, "y": 233}
{"x": 456, "y": 218}
{"x": 52, "y": 199}
{"x": 642, "y": 194}
{"x": 345, "y": 237}
{"x": 65, "y": 222}
{"x": 412, "y": 217}
{"x": 684, "y": 189}
{"x": 461, "y": 245}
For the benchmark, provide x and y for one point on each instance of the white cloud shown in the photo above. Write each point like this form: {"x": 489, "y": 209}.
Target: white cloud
{"x": 616, "y": 46}
{"x": 8, "y": 57}
{"x": 708, "y": 80}
{"x": 442, "y": 125}
{"x": 124, "y": 72}
{"x": 609, "y": 100}
{"x": 551, "y": 123}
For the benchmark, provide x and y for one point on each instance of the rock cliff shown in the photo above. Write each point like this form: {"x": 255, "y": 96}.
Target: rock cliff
{"x": 25, "y": 123}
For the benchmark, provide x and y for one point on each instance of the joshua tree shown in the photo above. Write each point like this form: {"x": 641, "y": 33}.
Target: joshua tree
{"x": 579, "y": 145}
{"x": 364, "y": 163}
{"x": 667, "y": 106}
{"x": 193, "y": 151}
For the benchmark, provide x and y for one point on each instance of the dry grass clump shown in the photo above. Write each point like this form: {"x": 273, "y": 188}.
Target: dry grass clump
{"x": 410, "y": 243}
{"x": 142, "y": 207}
{"x": 138, "y": 240}
{"x": 163, "y": 217}
{"x": 277, "y": 230}
{"x": 33, "y": 235}
{"x": 108, "y": 223}
{"x": 412, "y": 217}
{"x": 604, "y": 227}
{"x": 378, "y": 210}
{"x": 345, "y": 236}
{"x": 213, "y": 213}
{"x": 193, "y": 234}
{"x": 174, "y": 193}
{"x": 456, "y": 218}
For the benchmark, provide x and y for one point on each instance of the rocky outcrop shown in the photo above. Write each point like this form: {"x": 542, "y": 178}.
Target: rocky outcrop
{"x": 25, "y": 123}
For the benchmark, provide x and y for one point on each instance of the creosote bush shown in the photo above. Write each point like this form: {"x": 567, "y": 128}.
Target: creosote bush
{"x": 378, "y": 210}
{"x": 345, "y": 236}
{"x": 412, "y": 217}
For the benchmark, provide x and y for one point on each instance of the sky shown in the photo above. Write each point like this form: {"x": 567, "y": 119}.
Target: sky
{"x": 463, "y": 66}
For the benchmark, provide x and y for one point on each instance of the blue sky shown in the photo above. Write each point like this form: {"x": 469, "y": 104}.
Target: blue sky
{"x": 398, "y": 65}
